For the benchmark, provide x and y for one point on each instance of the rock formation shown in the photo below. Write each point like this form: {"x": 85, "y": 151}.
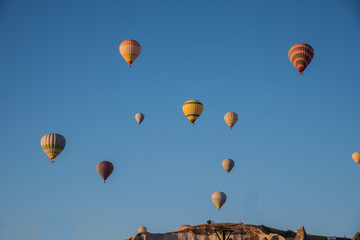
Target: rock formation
{"x": 301, "y": 234}
{"x": 356, "y": 236}
{"x": 231, "y": 231}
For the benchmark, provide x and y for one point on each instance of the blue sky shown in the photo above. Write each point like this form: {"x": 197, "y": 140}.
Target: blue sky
{"x": 61, "y": 71}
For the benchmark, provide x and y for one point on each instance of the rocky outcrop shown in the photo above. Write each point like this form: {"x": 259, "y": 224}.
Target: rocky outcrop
{"x": 215, "y": 231}
{"x": 356, "y": 236}
{"x": 230, "y": 231}
{"x": 301, "y": 234}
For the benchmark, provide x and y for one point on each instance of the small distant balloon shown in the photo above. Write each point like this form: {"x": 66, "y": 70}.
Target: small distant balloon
{"x": 53, "y": 144}
{"x": 142, "y": 229}
{"x": 192, "y": 110}
{"x": 228, "y": 164}
{"x": 218, "y": 198}
{"x": 139, "y": 117}
{"x": 130, "y": 50}
{"x": 231, "y": 118}
{"x": 300, "y": 56}
{"x": 104, "y": 169}
{"x": 356, "y": 157}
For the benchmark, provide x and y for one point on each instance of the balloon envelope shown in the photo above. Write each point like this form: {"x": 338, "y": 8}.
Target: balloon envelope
{"x": 192, "y": 110}
{"x": 104, "y": 169}
{"x": 53, "y": 144}
{"x": 228, "y": 164}
{"x": 130, "y": 50}
{"x": 300, "y": 56}
{"x": 231, "y": 118}
{"x": 356, "y": 157}
{"x": 139, "y": 117}
{"x": 218, "y": 198}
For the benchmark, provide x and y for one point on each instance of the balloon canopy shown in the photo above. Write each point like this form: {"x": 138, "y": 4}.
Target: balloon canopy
{"x": 218, "y": 198}
{"x": 192, "y": 110}
{"x": 228, "y": 164}
{"x": 130, "y": 50}
{"x": 300, "y": 56}
{"x": 139, "y": 117}
{"x": 356, "y": 157}
{"x": 104, "y": 169}
{"x": 231, "y": 118}
{"x": 53, "y": 144}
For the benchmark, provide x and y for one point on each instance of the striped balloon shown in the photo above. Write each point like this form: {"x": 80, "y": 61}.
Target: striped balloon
{"x": 104, "y": 169}
{"x": 192, "y": 110}
{"x": 52, "y": 144}
{"x": 231, "y": 118}
{"x": 300, "y": 56}
{"x": 130, "y": 50}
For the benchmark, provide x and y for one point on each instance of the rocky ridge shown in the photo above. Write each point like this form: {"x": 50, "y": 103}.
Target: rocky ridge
{"x": 232, "y": 231}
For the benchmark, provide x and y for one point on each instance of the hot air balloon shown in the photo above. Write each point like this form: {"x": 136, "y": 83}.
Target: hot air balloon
{"x": 183, "y": 227}
{"x": 192, "y": 110}
{"x": 230, "y": 119}
{"x": 104, "y": 169}
{"x": 53, "y": 144}
{"x": 356, "y": 157}
{"x": 301, "y": 55}
{"x": 142, "y": 229}
{"x": 218, "y": 198}
{"x": 139, "y": 117}
{"x": 130, "y": 50}
{"x": 228, "y": 164}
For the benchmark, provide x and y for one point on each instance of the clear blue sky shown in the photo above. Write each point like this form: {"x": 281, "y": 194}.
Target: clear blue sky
{"x": 61, "y": 71}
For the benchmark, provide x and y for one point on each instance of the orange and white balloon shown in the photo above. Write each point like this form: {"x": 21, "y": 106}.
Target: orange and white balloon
{"x": 130, "y": 50}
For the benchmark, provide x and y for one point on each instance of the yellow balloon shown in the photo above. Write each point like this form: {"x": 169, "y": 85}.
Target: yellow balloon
{"x": 356, "y": 157}
{"x": 192, "y": 110}
{"x": 230, "y": 119}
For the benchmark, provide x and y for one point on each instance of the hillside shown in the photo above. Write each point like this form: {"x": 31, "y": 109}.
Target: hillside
{"x": 230, "y": 231}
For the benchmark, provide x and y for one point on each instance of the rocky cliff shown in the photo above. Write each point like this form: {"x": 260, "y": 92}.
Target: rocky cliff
{"x": 230, "y": 231}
